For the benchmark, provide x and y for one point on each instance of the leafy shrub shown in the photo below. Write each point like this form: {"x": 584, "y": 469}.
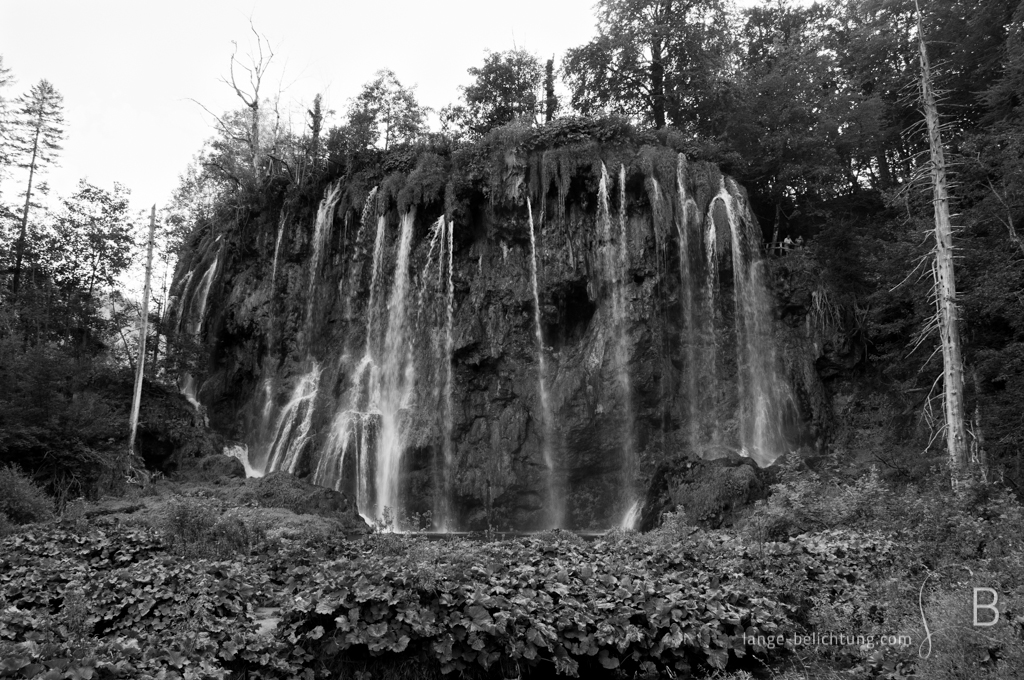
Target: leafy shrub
{"x": 708, "y": 497}
{"x": 232, "y": 534}
{"x": 188, "y": 524}
{"x": 22, "y": 501}
{"x": 484, "y": 608}
{"x": 960, "y": 651}
{"x": 283, "y": 490}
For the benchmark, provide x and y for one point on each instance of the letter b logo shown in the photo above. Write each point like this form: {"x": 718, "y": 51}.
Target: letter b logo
{"x": 991, "y": 605}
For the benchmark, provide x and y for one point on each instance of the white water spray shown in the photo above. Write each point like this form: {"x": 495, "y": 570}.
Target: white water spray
{"x": 241, "y": 452}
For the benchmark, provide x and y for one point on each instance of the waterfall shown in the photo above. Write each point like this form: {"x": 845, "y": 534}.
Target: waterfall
{"x": 356, "y": 422}
{"x": 764, "y": 394}
{"x": 708, "y": 387}
{"x": 241, "y": 452}
{"x": 687, "y": 207}
{"x": 632, "y": 516}
{"x": 439, "y": 371}
{"x": 321, "y": 237}
{"x": 292, "y": 428}
{"x": 619, "y": 314}
{"x": 555, "y": 500}
{"x": 277, "y": 247}
{"x": 193, "y": 325}
{"x": 449, "y": 416}
{"x": 396, "y": 381}
{"x": 616, "y": 265}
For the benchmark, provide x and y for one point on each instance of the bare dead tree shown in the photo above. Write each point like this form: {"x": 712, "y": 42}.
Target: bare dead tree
{"x": 948, "y": 314}
{"x": 249, "y": 94}
{"x": 247, "y": 79}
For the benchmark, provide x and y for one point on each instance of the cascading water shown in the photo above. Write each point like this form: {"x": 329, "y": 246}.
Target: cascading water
{"x": 292, "y": 427}
{"x": 192, "y": 324}
{"x": 619, "y": 313}
{"x": 356, "y": 423}
{"x": 632, "y": 517}
{"x": 439, "y": 372}
{"x": 277, "y": 246}
{"x": 615, "y": 267}
{"x": 692, "y": 336}
{"x": 321, "y": 237}
{"x": 378, "y": 412}
{"x": 764, "y": 396}
{"x": 447, "y": 518}
{"x": 241, "y": 452}
{"x": 396, "y": 381}
{"x": 709, "y": 347}
{"x": 392, "y": 392}
{"x": 555, "y": 499}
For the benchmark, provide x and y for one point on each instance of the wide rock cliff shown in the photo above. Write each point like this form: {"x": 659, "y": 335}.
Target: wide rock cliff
{"x": 515, "y": 334}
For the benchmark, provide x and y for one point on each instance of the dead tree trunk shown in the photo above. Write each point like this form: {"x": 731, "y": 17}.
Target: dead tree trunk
{"x": 945, "y": 281}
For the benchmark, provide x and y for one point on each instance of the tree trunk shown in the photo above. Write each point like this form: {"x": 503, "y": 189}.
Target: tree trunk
{"x": 657, "y": 84}
{"x": 945, "y": 281}
{"x": 20, "y": 248}
{"x": 143, "y": 332}
{"x": 550, "y": 101}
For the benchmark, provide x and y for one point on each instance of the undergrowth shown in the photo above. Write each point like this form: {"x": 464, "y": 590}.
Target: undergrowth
{"x": 864, "y": 559}
{"x": 22, "y": 501}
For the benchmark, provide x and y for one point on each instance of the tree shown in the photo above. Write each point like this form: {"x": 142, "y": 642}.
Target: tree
{"x": 504, "y": 89}
{"x": 787, "y": 109}
{"x": 37, "y": 134}
{"x": 254, "y": 140}
{"x": 945, "y": 279}
{"x": 384, "y": 114}
{"x": 658, "y": 60}
{"x": 1005, "y": 97}
{"x": 92, "y": 242}
{"x": 316, "y": 125}
{"x": 250, "y": 95}
{"x": 550, "y": 100}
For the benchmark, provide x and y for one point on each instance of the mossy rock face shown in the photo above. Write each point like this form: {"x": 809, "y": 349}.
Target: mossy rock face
{"x": 284, "y": 490}
{"x": 213, "y": 468}
{"x": 712, "y": 493}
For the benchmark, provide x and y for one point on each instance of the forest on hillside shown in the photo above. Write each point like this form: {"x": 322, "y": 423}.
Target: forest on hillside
{"x": 163, "y": 561}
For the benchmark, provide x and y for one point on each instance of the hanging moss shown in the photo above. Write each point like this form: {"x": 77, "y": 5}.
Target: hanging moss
{"x": 425, "y": 184}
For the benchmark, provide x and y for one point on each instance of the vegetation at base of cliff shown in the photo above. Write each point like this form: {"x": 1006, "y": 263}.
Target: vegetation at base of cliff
{"x": 126, "y": 601}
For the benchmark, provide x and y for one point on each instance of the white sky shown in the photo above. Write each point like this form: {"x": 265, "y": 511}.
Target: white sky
{"x": 127, "y": 70}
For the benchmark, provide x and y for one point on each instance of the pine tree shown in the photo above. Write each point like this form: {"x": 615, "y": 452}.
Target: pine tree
{"x": 38, "y": 131}
{"x": 550, "y": 100}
